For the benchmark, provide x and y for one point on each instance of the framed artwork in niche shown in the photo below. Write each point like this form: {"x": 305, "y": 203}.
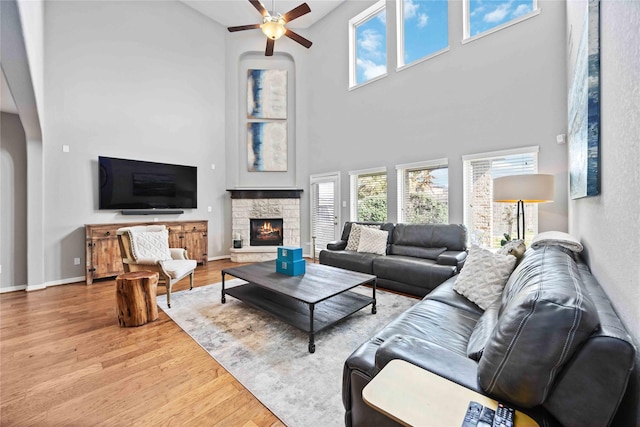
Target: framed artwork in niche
{"x": 267, "y": 146}
{"x": 584, "y": 110}
{"x": 267, "y": 94}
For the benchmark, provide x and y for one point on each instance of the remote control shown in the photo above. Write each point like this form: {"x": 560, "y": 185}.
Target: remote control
{"x": 504, "y": 416}
{"x": 486, "y": 417}
{"x": 473, "y": 415}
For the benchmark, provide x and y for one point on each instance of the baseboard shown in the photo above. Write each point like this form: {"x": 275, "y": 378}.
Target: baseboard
{"x": 12, "y": 288}
{"x": 45, "y": 285}
{"x": 217, "y": 258}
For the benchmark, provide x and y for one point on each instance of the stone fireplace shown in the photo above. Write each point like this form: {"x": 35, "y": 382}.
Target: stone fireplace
{"x": 264, "y": 220}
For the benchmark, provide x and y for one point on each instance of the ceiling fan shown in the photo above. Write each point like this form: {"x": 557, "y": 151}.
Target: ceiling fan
{"x": 273, "y": 25}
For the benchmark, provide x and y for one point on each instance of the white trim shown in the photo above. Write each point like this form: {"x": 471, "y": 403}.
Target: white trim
{"x": 502, "y": 153}
{"x": 466, "y": 25}
{"x": 5, "y": 289}
{"x": 425, "y": 164}
{"x": 363, "y": 16}
{"x": 371, "y": 80}
{"x": 423, "y": 59}
{"x": 321, "y": 176}
{"x": 368, "y": 171}
{"x": 218, "y": 258}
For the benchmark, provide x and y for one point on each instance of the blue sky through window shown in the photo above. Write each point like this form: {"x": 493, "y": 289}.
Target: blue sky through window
{"x": 425, "y": 28}
{"x": 371, "y": 49}
{"x": 487, "y": 14}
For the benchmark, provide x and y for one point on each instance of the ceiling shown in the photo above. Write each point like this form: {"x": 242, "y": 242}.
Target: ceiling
{"x": 240, "y": 12}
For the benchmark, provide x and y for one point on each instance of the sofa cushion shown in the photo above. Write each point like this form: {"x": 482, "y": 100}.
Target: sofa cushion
{"x": 484, "y": 276}
{"x": 445, "y": 294}
{"x": 544, "y": 317}
{"x": 349, "y": 260}
{"x": 416, "y": 251}
{"x": 425, "y": 321}
{"x": 450, "y": 236}
{"x": 414, "y": 271}
{"x": 483, "y": 330}
{"x": 354, "y": 235}
{"x": 373, "y": 241}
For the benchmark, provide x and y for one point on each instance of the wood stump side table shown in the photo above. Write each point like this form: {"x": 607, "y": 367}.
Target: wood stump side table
{"x": 136, "y": 298}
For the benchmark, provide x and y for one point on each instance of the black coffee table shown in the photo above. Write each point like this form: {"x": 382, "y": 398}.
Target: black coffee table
{"x": 322, "y": 290}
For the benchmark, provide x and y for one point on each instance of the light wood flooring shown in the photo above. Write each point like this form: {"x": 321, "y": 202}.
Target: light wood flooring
{"x": 65, "y": 361}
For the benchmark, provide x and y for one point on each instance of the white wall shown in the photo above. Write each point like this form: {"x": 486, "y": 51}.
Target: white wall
{"x": 608, "y": 224}
{"x": 13, "y": 188}
{"x": 139, "y": 80}
{"x": 502, "y": 91}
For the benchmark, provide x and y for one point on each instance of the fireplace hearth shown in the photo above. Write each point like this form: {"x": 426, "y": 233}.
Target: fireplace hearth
{"x": 266, "y": 232}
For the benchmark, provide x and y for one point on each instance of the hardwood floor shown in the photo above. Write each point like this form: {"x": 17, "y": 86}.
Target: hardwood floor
{"x": 64, "y": 360}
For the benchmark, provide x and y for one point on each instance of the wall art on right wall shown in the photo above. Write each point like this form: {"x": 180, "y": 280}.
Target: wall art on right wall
{"x": 584, "y": 110}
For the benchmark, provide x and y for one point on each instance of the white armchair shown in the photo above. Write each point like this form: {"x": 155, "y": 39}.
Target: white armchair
{"x": 146, "y": 247}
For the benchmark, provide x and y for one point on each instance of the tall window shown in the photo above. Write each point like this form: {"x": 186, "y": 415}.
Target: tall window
{"x": 423, "y": 192}
{"x": 368, "y": 45}
{"x": 422, "y": 29}
{"x": 486, "y": 220}
{"x": 369, "y": 195}
{"x": 484, "y": 16}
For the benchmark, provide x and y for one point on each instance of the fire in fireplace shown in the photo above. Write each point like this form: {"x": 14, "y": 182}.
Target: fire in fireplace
{"x": 266, "y": 232}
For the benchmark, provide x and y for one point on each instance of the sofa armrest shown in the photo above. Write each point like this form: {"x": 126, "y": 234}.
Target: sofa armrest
{"x": 456, "y": 258}
{"x": 432, "y": 357}
{"x": 337, "y": 245}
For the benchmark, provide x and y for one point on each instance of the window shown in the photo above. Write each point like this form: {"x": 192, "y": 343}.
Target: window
{"x": 368, "y": 45}
{"x": 486, "y": 220}
{"x": 369, "y": 195}
{"x": 423, "y": 192}
{"x": 422, "y": 29}
{"x": 486, "y": 16}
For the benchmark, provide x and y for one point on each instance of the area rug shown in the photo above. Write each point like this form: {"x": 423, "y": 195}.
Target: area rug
{"x": 271, "y": 359}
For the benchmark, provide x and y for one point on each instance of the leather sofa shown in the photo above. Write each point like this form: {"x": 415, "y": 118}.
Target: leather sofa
{"x": 552, "y": 346}
{"x": 419, "y": 256}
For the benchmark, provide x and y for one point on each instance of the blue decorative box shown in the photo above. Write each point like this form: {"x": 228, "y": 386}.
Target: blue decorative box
{"x": 291, "y": 268}
{"x": 288, "y": 253}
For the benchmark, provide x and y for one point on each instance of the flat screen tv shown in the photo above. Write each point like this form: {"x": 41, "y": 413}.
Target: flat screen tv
{"x": 135, "y": 184}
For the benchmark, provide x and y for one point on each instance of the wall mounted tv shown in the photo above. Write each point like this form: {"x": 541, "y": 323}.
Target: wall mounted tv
{"x": 141, "y": 187}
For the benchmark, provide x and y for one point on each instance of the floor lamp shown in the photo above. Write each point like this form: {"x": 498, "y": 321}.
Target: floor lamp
{"x": 521, "y": 189}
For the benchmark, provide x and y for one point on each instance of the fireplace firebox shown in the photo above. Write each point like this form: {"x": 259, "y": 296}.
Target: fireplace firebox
{"x": 265, "y": 232}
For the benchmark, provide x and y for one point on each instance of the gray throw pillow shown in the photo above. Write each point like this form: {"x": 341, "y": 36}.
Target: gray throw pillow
{"x": 483, "y": 276}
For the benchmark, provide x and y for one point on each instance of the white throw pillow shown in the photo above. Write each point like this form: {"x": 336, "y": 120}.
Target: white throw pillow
{"x": 150, "y": 245}
{"x": 483, "y": 276}
{"x": 354, "y": 235}
{"x": 373, "y": 241}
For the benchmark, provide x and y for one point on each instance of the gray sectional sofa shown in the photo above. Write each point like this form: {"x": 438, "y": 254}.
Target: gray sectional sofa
{"x": 419, "y": 257}
{"x": 552, "y": 346}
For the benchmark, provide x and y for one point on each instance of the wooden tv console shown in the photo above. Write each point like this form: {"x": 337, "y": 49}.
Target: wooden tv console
{"x": 103, "y": 257}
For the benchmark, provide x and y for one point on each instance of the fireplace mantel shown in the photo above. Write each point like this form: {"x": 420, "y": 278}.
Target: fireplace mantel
{"x": 265, "y": 193}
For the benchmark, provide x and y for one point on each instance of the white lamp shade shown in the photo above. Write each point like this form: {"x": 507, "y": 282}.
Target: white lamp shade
{"x": 532, "y": 188}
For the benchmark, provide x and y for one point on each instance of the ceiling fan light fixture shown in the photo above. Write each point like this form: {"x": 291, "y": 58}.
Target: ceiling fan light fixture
{"x": 273, "y": 27}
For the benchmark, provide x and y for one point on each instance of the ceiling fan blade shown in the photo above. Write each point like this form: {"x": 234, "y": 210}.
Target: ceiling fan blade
{"x": 270, "y": 44}
{"x": 297, "y": 37}
{"x": 263, "y": 11}
{"x": 296, "y": 12}
{"x": 243, "y": 27}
